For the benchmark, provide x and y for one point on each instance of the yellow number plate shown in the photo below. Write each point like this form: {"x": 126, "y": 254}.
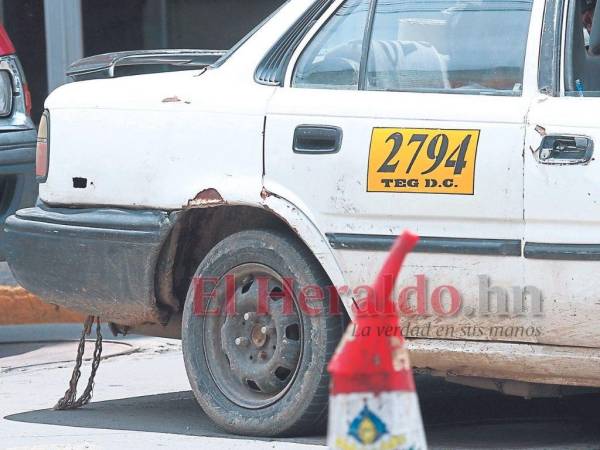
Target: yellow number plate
{"x": 418, "y": 160}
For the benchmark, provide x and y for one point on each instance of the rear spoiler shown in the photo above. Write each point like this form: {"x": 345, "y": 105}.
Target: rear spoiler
{"x": 103, "y": 66}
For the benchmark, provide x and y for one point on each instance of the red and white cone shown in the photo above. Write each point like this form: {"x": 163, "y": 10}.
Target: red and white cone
{"x": 373, "y": 401}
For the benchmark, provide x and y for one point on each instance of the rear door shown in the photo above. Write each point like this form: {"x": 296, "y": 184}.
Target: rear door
{"x": 411, "y": 115}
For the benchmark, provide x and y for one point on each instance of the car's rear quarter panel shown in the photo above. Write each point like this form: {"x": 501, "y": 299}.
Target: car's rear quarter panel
{"x": 156, "y": 144}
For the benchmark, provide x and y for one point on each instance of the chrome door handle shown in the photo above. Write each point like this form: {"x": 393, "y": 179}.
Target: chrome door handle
{"x": 565, "y": 150}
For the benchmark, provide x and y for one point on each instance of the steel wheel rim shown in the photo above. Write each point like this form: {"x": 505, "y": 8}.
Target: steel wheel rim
{"x": 253, "y": 358}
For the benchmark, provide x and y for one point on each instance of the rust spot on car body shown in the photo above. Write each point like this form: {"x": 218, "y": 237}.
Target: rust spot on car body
{"x": 540, "y": 130}
{"x": 206, "y": 199}
{"x": 173, "y": 99}
{"x": 264, "y": 194}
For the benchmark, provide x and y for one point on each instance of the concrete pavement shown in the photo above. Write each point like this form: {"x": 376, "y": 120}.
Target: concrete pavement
{"x": 142, "y": 400}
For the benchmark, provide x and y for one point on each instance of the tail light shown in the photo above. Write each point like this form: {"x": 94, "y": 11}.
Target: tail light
{"x": 27, "y": 93}
{"x": 6, "y": 84}
{"x": 6, "y": 93}
{"x": 6, "y": 45}
{"x": 42, "y": 150}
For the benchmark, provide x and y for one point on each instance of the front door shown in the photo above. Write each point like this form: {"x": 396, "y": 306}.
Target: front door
{"x": 562, "y": 195}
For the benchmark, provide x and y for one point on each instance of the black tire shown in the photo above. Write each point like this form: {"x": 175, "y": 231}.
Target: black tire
{"x": 301, "y": 406}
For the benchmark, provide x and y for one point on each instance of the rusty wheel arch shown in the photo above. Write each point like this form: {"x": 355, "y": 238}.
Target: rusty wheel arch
{"x": 196, "y": 231}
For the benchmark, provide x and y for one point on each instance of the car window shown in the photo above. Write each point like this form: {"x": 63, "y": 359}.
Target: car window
{"x": 449, "y": 46}
{"x": 332, "y": 59}
{"x": 582, "y": 50}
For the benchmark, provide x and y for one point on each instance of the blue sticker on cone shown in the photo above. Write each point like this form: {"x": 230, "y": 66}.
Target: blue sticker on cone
{"x": 367, "y": 428}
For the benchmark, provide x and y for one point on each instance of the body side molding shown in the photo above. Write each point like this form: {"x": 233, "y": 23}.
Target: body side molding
{"x": 459, "y": 246}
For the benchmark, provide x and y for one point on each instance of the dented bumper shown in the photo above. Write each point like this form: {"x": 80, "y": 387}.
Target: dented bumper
{"x": 18, "y": 188}
{"x": 96, "y": 261}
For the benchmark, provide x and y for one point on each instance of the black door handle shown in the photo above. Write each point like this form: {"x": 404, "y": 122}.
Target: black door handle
{"x": 317, "y": 139}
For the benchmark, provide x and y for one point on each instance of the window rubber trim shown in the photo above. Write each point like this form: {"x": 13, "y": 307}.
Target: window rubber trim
{"x": 570, "y": 88}
{"x": 366, "y": 49}
{"x": 550, "y": 49}
{"x": 272, "y": 68}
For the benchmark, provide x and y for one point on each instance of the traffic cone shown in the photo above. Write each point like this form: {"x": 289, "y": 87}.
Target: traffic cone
{"x": 373, "y": 403}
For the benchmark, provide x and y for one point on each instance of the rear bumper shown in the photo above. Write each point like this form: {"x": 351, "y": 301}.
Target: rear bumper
{"x": 95, "y": 261}
{"x": 18, "y": 188}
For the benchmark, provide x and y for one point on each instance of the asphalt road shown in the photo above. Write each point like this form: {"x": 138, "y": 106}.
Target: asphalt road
{"x": 142, "y": 400}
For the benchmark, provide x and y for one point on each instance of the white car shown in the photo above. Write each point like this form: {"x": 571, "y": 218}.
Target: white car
{"x": 292, "y": 162}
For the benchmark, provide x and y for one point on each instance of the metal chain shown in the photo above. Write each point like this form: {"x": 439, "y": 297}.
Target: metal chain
{"x": 69, "y": 401}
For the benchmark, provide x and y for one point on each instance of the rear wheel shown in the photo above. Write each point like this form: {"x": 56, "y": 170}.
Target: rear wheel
{"x": 259, "y": 366}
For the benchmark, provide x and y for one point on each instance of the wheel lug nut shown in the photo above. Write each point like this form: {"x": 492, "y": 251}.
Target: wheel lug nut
{"x": 265, "y": 330}
{"x": 248, "y": 316}
{"x": 242, "y": 341}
